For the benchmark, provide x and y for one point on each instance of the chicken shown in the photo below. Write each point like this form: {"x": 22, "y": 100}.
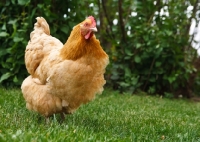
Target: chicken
{"x": 62, "y": 77}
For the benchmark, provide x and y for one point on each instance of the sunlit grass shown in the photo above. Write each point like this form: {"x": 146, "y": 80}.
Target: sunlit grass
{"x": 110, "y": 117}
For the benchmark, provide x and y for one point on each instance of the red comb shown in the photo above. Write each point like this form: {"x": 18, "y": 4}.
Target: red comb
{"x": 91, "y": 17}
{"x": 93, "y": 20}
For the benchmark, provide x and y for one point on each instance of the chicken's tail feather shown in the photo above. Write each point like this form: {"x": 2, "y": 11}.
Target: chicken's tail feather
{"x": 42, "y": 25}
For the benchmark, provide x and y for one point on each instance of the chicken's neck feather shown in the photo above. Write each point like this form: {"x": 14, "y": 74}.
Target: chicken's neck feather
{"x": 77, "y": 46}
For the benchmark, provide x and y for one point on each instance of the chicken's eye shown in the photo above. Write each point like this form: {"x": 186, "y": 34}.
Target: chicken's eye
{"x": 86, "y": 24}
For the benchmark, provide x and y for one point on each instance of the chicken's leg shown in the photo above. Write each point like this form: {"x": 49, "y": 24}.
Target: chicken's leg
{"x": 62, "y": 115}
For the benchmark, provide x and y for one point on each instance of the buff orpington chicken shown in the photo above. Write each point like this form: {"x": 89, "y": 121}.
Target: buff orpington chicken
{"x": 62, "y": 77}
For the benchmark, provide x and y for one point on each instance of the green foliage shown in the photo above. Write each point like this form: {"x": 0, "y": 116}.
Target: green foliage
{"x": 149, "y": 50}
{"x": 111, "y": 117}
{"x": 154, "y": 54}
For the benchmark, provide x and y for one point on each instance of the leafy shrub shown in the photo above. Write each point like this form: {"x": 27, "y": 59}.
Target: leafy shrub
{"x": 155, "y": 53}
{"x": 148, "y": 41}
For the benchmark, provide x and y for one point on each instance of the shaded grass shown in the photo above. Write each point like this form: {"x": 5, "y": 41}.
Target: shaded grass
{"x": 110, "y": 117}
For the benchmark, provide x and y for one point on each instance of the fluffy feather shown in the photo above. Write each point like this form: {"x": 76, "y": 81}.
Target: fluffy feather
{"x": 62, "y": 77}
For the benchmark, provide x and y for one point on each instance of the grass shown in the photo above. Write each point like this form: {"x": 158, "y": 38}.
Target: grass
{"x": 111, "y": 117}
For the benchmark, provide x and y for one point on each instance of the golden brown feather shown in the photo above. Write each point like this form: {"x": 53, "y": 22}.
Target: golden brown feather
{"x": 62, "y": 77}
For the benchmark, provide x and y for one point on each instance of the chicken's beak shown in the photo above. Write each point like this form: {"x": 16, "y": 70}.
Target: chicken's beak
{"x": 94, "y": 29}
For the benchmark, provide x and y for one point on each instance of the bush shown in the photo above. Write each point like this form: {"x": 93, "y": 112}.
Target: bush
{"x": 149, "y": 47}
{"x": 153, "y": 52}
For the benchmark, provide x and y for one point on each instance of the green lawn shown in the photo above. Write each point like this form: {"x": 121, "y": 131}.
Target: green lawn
{"x": 110, "y": 117}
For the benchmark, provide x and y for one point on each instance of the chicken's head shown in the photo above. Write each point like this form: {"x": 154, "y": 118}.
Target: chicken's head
{"x": 87, "y": 27}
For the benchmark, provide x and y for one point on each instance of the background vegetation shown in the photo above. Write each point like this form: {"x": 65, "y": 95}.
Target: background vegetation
{"x": 148, "y": 41}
